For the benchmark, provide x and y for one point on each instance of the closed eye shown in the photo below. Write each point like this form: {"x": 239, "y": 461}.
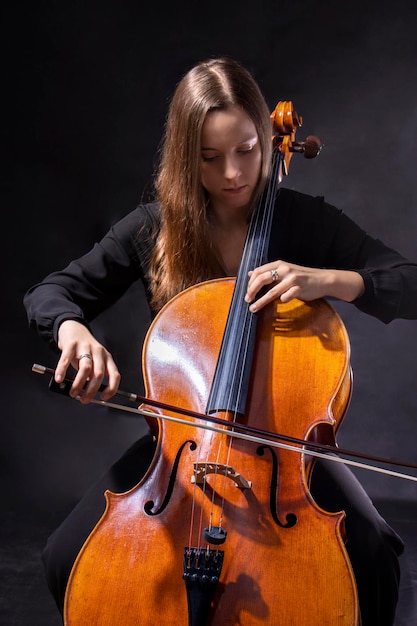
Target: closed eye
{"x": 242, "y": 151}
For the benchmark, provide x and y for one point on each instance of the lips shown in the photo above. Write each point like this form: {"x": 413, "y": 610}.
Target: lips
{"x": 235, "y": 190}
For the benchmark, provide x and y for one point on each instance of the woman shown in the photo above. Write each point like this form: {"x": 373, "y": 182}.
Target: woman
{"x": 214, "y": 163}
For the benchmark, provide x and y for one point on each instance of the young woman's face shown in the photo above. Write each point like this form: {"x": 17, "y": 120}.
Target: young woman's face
{"x": 230, "y": 158}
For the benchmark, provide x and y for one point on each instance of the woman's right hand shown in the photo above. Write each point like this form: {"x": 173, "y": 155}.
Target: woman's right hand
{"x": 90, "y": 358}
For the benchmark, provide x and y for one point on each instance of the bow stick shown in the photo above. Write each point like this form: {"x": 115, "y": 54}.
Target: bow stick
{"x": 235, "y": 429}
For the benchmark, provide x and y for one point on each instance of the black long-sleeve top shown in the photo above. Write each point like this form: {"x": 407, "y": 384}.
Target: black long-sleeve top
{"x": 305, "y": 230}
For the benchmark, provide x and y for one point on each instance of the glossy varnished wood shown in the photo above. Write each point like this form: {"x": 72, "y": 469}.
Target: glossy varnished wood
{"x": 130, "y": 570}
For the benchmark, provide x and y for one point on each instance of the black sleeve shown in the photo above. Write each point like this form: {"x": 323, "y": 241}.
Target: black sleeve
{"x": 90, "y": 284}
{"x": 308, "y": 231}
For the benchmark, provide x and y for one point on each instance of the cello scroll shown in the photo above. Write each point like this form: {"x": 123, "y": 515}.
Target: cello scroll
{"x": 285, "y": 122}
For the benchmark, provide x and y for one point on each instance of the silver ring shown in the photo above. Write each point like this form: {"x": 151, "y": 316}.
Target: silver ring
{"x": 85, "y": 356}
{"x": 274, "y": 275}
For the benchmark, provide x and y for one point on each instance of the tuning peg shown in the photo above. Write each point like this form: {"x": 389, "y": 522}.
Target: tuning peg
{"x": 310, "y": 148}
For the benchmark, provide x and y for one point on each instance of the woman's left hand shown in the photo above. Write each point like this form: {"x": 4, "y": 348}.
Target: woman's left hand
{"x": 286, "y": 281}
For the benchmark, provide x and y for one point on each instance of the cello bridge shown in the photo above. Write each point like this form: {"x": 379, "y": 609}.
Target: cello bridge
{"x": 201, "y": 471}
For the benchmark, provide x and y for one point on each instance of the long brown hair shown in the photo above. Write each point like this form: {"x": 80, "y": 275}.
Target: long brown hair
{"x": 184, "y": 254}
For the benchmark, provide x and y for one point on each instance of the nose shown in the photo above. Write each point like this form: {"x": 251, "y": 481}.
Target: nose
{"x": 231, "y": 167}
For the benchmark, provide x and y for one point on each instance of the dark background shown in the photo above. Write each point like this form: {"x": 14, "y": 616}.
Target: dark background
{"x": 86, "y": 87}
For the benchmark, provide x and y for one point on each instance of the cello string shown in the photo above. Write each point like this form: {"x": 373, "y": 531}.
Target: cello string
{"x": 242, "y": 345}
{"x": 260, "y": 229}
{"x": 254, "y": 252}
{"x": 193, "y": 516}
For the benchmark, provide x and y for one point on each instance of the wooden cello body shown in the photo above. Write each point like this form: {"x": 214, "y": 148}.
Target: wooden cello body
{"x": 284, "y": 558}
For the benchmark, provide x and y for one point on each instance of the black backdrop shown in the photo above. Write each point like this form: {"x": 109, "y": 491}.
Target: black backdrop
{"x": 86, "y": 94}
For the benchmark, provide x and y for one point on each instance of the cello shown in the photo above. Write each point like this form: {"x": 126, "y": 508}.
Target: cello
{"x": 222, "y": 531}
